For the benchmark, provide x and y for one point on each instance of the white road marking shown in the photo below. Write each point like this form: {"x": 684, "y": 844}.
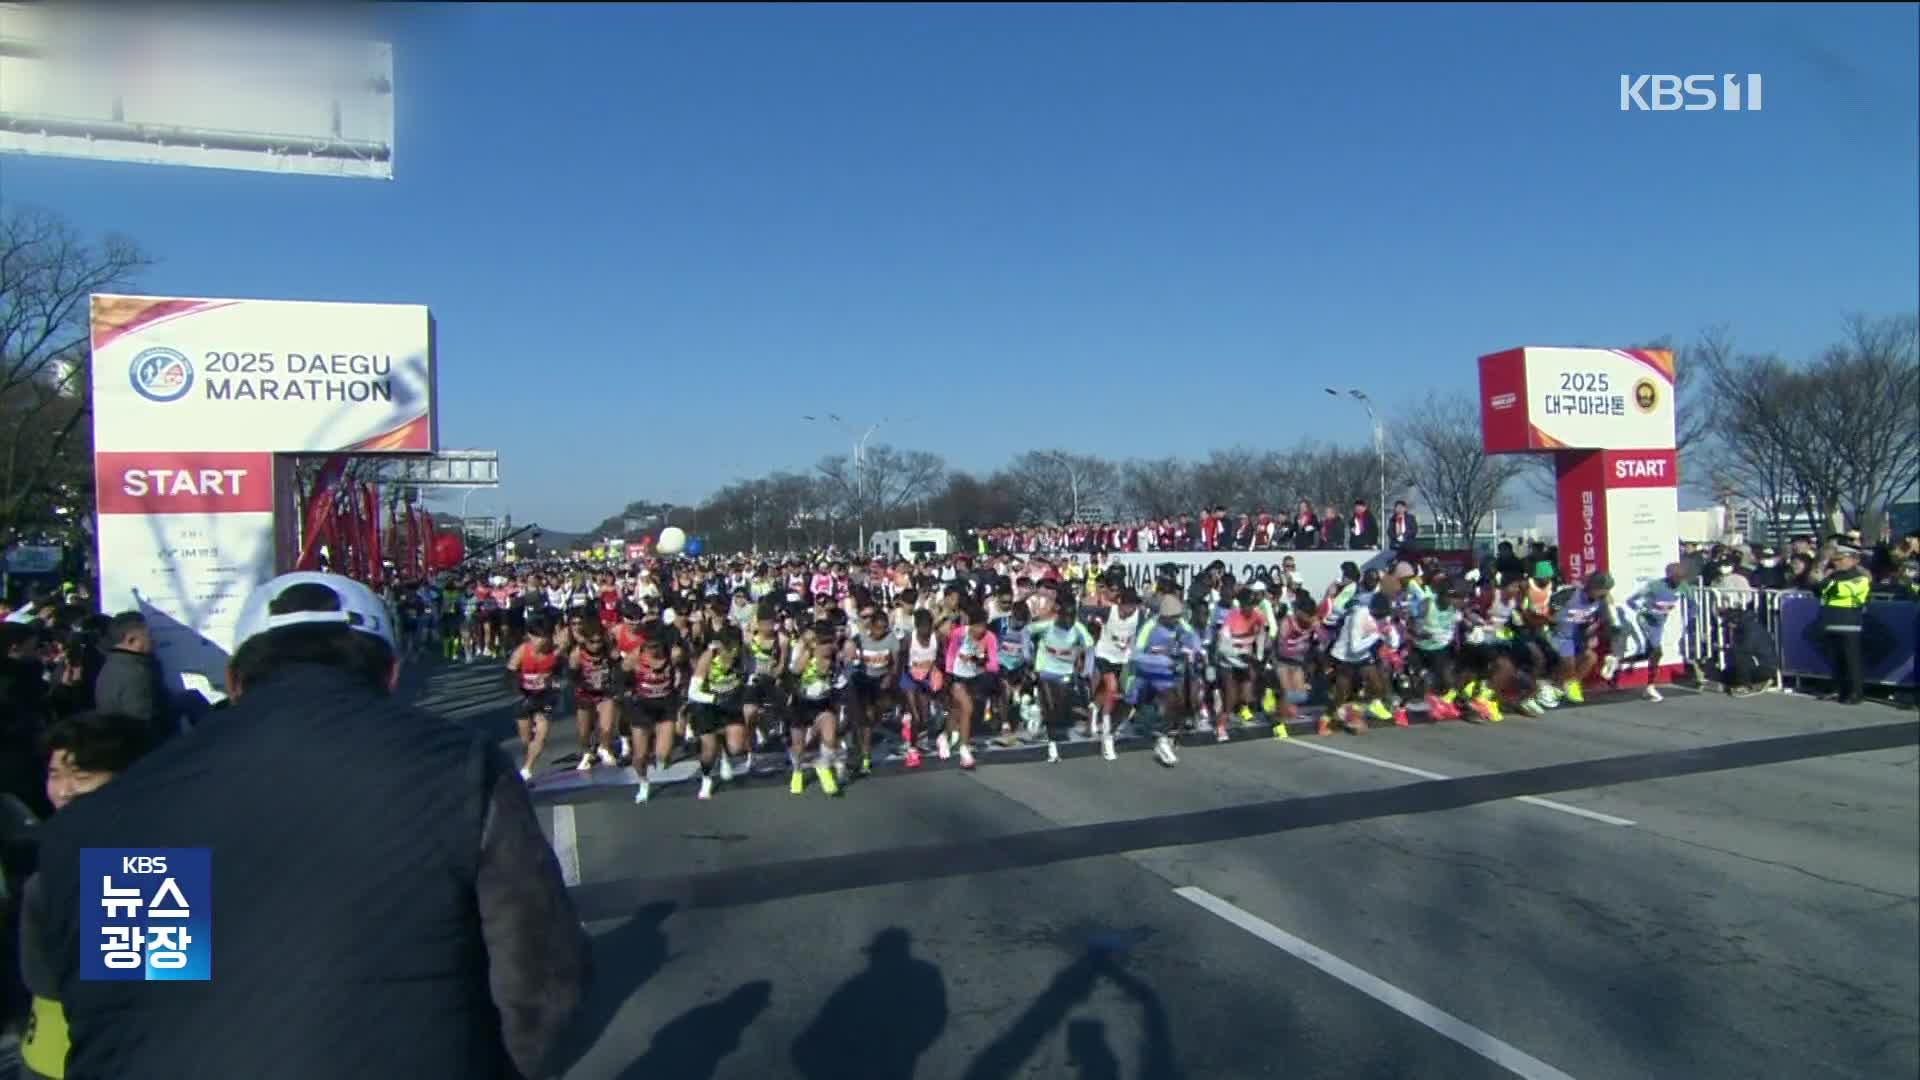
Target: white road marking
{"x": 1531, "y": 800}
{"x": 566, "y": 844}
{"x": 1500, "y": 1053}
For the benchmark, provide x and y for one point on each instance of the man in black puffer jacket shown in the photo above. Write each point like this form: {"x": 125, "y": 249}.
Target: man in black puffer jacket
{"x": 383, "y": 902}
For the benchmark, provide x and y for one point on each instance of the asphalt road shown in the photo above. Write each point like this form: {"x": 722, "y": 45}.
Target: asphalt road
{"x": 1704, "y": 888}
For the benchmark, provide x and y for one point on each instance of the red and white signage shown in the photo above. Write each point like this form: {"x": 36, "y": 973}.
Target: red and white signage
{"x": 1535, "y": 399}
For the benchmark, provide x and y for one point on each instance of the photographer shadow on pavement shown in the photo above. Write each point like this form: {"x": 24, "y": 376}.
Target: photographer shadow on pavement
{"x": 624, "y": 958}
{"x": 909, "y": 994}
{"x": 1087, "y": 1047}
{"x": 692, "y": 1045}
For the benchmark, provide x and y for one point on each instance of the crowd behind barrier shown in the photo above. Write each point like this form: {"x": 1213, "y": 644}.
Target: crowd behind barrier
{"x": 1790, "y": 619}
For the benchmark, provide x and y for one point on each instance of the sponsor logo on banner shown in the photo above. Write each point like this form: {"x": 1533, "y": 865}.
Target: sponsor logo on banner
{"x": 1646, "y": 395}
{"x": 146, "y": 914}
{"x": 1503, "y": 402}
{"x": 161, "y": 374}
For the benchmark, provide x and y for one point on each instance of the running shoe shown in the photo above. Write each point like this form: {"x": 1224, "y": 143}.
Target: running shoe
{"x": 644, "y": 793}
{"x": 1481, "y": 707}
{"x": 827, "y": 782}
{"x": 606, "y": 757}
{"x": 1400, "y": 716}
{"x": 942, "y": 747}
{"x": 1575, "y": 692}
{"x": 526, "y": 773}
{"x": 1246, "y": 715}
{"x": 797, "y": 783}
{"x": 1378, "y": 710}
{"x": 1651, "y": 694}
{"x": 1532, "y": 707}
{"x": 1609, "y": 667}
{"x": 1493, "y": 713}
{"x": 706, "y": 788}
{"x": 1326, "y": 724}
{"x": 1163, "y": 750}
{"x": 726, "y": 767}
{"x": 1280, "y": 730}
{"x": 866, "y": 764}
{"x": 1106, "y": 748}
{"x": 1220, "y": 735}
{"x": 913, "y": 758}
{"x": 966, "y": 756}
{"x": 1053, "y": 752}
{"x": 585, "y": 763}
{"x": 1269, "y": 703}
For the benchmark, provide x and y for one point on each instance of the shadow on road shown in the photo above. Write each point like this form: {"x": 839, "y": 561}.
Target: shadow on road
{"x": 877, "y": 1023}
{"x": 692, "y": 1045}
{"x": 1086, "y": 1040}
{"x": 624, "y": 958}
{"x": 1088, "y": 1053}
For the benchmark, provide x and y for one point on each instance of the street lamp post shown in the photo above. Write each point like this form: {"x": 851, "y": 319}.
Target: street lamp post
{"x": 1073, "y": 481}
{"x": 1379, "y": 443}
{"x": 859, "y": 468}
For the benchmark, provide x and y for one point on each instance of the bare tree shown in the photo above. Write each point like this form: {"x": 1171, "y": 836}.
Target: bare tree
{"x": 47, "y": 273}
{"x": 1056, "y": 486}
{"x": 1875, "y": 376}
{"x": 1440, "y": 447}
{"x": 1158, "y": 488}
{"x": 1337, "y": 475}
{"x": 1840, "y": 435}
{"x": 969, "y": 503}
{"x": 1743, "y": 460}
{"x": 882, "y": 484}
{"x": 1236, "y": 478}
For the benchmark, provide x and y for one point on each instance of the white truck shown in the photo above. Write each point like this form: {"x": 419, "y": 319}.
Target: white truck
{"x": 909, "y": 543}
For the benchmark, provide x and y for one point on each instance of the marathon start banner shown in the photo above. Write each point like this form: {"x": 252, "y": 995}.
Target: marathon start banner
{"x": 196, "y": 405}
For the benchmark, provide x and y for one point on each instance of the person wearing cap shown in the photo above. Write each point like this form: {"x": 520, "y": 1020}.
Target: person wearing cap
{"x": 387, "y": 908}
{"x": 1162, "y": 658}
{"x": 1843, "y": 599}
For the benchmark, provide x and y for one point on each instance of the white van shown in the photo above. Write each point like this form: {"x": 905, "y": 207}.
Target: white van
{"x": 909, "y": 543}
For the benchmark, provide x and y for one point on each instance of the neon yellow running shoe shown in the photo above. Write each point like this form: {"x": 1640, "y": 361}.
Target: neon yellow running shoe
{"x": 1280, "y": 730}
{"x": 1493, "y": 711}
{"x": 1378, "y": 710}
{"x": 1574, "y": 691}
{"x": 866, "y": 764}
{"x": 797, "y": 783}
{"x": 827, "y": 783}
{"x": 1269, "y": 703}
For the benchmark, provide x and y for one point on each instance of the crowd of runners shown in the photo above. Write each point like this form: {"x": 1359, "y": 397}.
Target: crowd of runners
{"x": 722, "y": 660}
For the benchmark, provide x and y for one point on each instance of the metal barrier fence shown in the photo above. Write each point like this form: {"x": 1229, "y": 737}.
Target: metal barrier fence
{"x": 1889, "y": 634}
{"x": 1710, "y": 616}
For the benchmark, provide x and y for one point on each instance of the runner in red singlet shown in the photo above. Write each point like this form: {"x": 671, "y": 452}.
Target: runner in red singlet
{"x": 531, "y": 671}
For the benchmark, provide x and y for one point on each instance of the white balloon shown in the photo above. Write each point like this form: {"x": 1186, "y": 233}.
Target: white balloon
{"x": 671, "y": 541}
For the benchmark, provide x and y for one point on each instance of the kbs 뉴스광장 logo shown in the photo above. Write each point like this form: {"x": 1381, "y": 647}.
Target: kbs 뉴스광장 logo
{"x": 146, "y": 914}
{"x": 161, "y": 374}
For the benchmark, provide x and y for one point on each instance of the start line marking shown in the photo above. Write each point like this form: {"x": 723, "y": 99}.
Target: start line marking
{"x": 1531, "y": 800}
{"x": 1503, "y": 1054}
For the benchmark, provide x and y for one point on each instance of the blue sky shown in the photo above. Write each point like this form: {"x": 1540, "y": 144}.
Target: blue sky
{"x": 653, "y": 237}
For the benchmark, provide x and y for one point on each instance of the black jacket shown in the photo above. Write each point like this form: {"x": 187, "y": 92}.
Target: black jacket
{"x": 131, "y": 684}
{"x": 1402, "y": 533}
{"x": 384, "y": 904}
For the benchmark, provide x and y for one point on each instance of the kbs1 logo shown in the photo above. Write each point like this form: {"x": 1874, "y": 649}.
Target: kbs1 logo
{"x": 146, "y": 914}
{"x": 161, "y": 374}
{"x": 1689, "y": 93}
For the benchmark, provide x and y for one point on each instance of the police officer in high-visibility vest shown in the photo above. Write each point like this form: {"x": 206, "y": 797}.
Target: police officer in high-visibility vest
{"x": 1843, "y": 598}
